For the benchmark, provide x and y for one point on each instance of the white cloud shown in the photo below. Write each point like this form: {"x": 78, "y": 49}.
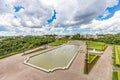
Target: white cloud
{"x": 70, "y": 13}
{"x": 111, "y": 25}
{"x": 111, "y": 3}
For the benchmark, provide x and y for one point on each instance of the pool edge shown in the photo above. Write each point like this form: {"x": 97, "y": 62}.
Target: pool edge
{"x": 57, "y": 68}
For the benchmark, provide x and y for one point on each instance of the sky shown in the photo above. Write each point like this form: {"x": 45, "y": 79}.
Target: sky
{"x": 42, "y": 17}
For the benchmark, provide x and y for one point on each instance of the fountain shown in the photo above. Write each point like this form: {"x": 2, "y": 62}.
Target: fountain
{"x": 95, "y": 51}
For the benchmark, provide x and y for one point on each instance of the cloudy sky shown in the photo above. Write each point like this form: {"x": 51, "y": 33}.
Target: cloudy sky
{"x": 40, "y": 17}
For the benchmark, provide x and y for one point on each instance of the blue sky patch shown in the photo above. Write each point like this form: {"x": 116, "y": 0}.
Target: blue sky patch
{"x": 18, "y": 8}
{"x": 52, "y": 18}
{"x": 3, "y": 28}
{"x": 111, "y": 10}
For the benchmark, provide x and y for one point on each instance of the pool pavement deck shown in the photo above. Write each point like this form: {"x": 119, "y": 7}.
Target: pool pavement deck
{"x": 12, "y": 68}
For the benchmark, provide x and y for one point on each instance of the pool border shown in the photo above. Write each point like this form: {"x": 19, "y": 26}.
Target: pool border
{"x": 57, "y": 68}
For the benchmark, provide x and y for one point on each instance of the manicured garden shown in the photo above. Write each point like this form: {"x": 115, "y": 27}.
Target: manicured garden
{"x": 100, "y": 46}
{"x": 116, "y": 75}
{"x": 92, "y": 60}
{"x": 117, "y": 56}
{"x": 59, "y": 42}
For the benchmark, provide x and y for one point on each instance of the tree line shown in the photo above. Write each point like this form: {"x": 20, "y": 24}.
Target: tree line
{"x": 106, "y": 38}
{"x": 19, "y": 43}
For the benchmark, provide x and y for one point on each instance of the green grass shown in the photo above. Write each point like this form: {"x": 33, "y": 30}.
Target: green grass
{"x": 117, "y": 56}
{"x": 59, "y": 42}
{"x": 118, "y": 74}
{"x": 91, "y": 58}
{"x": 7, "y": 55}
{"x": 115, "y": 77}
{"x": 95, "y": 43}
{"x": 100, "y": 46}
{"x": 40, "y": 49}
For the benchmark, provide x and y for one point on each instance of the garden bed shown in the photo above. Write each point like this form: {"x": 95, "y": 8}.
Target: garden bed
{"x": 59, "y": 42}
{"x": 117, "y": 56}
{"x": 91, "y": 62}
{"x": 99, "y": 46}
{"x": 116, "y": 75}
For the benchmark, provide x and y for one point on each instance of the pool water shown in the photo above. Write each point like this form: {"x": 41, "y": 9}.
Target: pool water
{"x": 58, "y": 58}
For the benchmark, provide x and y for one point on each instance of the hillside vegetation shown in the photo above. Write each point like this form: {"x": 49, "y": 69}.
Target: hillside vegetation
{"x": 14, "y": 45}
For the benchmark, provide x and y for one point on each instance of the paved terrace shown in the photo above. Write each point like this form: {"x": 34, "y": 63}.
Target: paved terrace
{"x": 104, "y": 67}
{"x": 12, "y": 68}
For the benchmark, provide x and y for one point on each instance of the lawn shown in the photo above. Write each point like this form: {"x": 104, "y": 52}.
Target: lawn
{"x": 91, "y": 58}
{"x": 100, "y": 46}
{"x": 116, "y": 75}
{"x": 59, "y": 42}
{"x": 37, "y": 50}
{"x": 116, "y": 56}
{"x": 95, "y": 43}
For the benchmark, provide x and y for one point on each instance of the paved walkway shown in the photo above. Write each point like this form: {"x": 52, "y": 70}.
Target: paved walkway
{"x": 12, "y": 68}
{"x": 103, "y": 69}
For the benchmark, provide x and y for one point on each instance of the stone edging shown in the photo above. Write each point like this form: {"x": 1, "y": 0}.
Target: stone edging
{"x": 50, "y": 70}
